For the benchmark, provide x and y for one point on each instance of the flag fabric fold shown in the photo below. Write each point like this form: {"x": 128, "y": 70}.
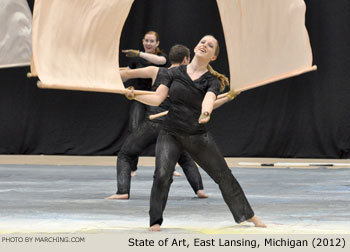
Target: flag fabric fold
{"x": 15, "y": 33}
{"x": 76, "y": 43}
{"x": 266, "y": 41}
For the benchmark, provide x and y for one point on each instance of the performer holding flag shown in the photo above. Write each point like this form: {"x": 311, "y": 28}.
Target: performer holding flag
{"x": 151, "y": 56}
{"x": 147, "y": 132}
{"x": 193, "y": 90}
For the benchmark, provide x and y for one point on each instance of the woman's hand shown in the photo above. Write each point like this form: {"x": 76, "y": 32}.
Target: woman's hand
{"x": 204, "y": 117}
{"x": 129, "y": 93}
{"x": 232, "y": 94}
{"x": 131, "y": 53}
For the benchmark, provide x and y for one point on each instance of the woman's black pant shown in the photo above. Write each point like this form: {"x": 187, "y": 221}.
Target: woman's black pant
{"x": 206, "y": 154}
{"x": 146, "y": 135}
{"x": 137, "y": 114}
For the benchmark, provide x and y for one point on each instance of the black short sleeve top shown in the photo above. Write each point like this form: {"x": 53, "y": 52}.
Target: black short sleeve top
{"x": 186, "y": 97}
{"x": 138, "y": 62}
{"x": 162, "y": 77}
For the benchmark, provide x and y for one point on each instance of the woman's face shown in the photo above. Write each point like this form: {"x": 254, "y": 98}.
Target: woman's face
{"x": 206, "y": 48}
{"x": 150, "y": 43}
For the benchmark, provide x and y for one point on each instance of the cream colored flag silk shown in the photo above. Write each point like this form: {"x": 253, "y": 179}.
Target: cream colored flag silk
{"x": 76, "y": 43}
{"x": 15, "y": 33}
{"x": 266, "y": 41}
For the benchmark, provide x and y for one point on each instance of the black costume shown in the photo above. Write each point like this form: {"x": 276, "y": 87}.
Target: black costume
{"x": 137, "y": 109}
{"x": 145, "y": 135}
{"x": 182, "y": 131}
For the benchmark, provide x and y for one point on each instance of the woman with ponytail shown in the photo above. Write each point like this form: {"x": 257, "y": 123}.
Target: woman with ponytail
{"x": 192, "y": 92}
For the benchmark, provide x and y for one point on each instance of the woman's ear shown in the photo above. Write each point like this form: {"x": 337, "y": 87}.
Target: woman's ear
{"x": 213, "y": 58}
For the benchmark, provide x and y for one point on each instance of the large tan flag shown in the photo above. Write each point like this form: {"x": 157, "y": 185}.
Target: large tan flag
{"x": 266, "y": 40}
{"x": 15, "y": 33}
{"x": 76, "y": 43}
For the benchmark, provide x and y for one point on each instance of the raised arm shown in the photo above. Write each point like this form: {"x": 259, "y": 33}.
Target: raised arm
{"x": 145, "y": 72}
{"x": 219, "y": 102}
{"x": 153, "y": 58}
{"x": 227, "y": 98}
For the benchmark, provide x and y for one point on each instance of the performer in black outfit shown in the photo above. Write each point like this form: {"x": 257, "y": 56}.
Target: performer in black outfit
{"x": 192, "y": 90}
{"x": 147, "y": 132}
{"x": 152, "y": 56}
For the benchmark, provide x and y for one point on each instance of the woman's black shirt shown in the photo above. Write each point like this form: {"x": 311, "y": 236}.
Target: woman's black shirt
{"x": 138, "y": 62}
{"x": 186, "y": 97}
{"x": 162, "y": 77}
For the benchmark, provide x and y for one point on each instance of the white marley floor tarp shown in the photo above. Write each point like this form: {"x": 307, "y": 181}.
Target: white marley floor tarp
{"x": 15, "y": 33}
{"x": 70, "y": 199}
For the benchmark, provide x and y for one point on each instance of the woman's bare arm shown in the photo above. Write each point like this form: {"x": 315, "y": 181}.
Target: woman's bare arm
{"x": 145, "y": 72}
{"x": 219, "y": 102}
{"x": 207, "y": 107}
{"x": 153, "y": 58}
{"x": 153, "y": 99}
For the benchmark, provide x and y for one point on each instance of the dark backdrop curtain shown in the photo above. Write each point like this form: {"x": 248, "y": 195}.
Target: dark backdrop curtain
{"x": 305, "y": 116}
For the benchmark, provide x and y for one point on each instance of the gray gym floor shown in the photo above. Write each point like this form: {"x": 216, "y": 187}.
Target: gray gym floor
{"x": 70, "y": 198}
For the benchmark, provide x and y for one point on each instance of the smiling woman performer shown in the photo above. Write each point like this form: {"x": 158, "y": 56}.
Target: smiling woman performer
{"x": 192, "y": 90}
{"x": 152, "y": 56}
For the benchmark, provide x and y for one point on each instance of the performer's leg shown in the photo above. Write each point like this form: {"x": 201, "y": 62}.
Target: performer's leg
{"x": 192, "y": 174}
{"x": 205, "y": 152}
{"x": 136, "y": 116}
{"x": 168, "y": 151}
{"x": 135, "y": 143}
{"x": 134, "y": 164}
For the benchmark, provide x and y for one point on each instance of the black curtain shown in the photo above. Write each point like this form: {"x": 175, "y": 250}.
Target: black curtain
{"x": 302, "y": 117}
